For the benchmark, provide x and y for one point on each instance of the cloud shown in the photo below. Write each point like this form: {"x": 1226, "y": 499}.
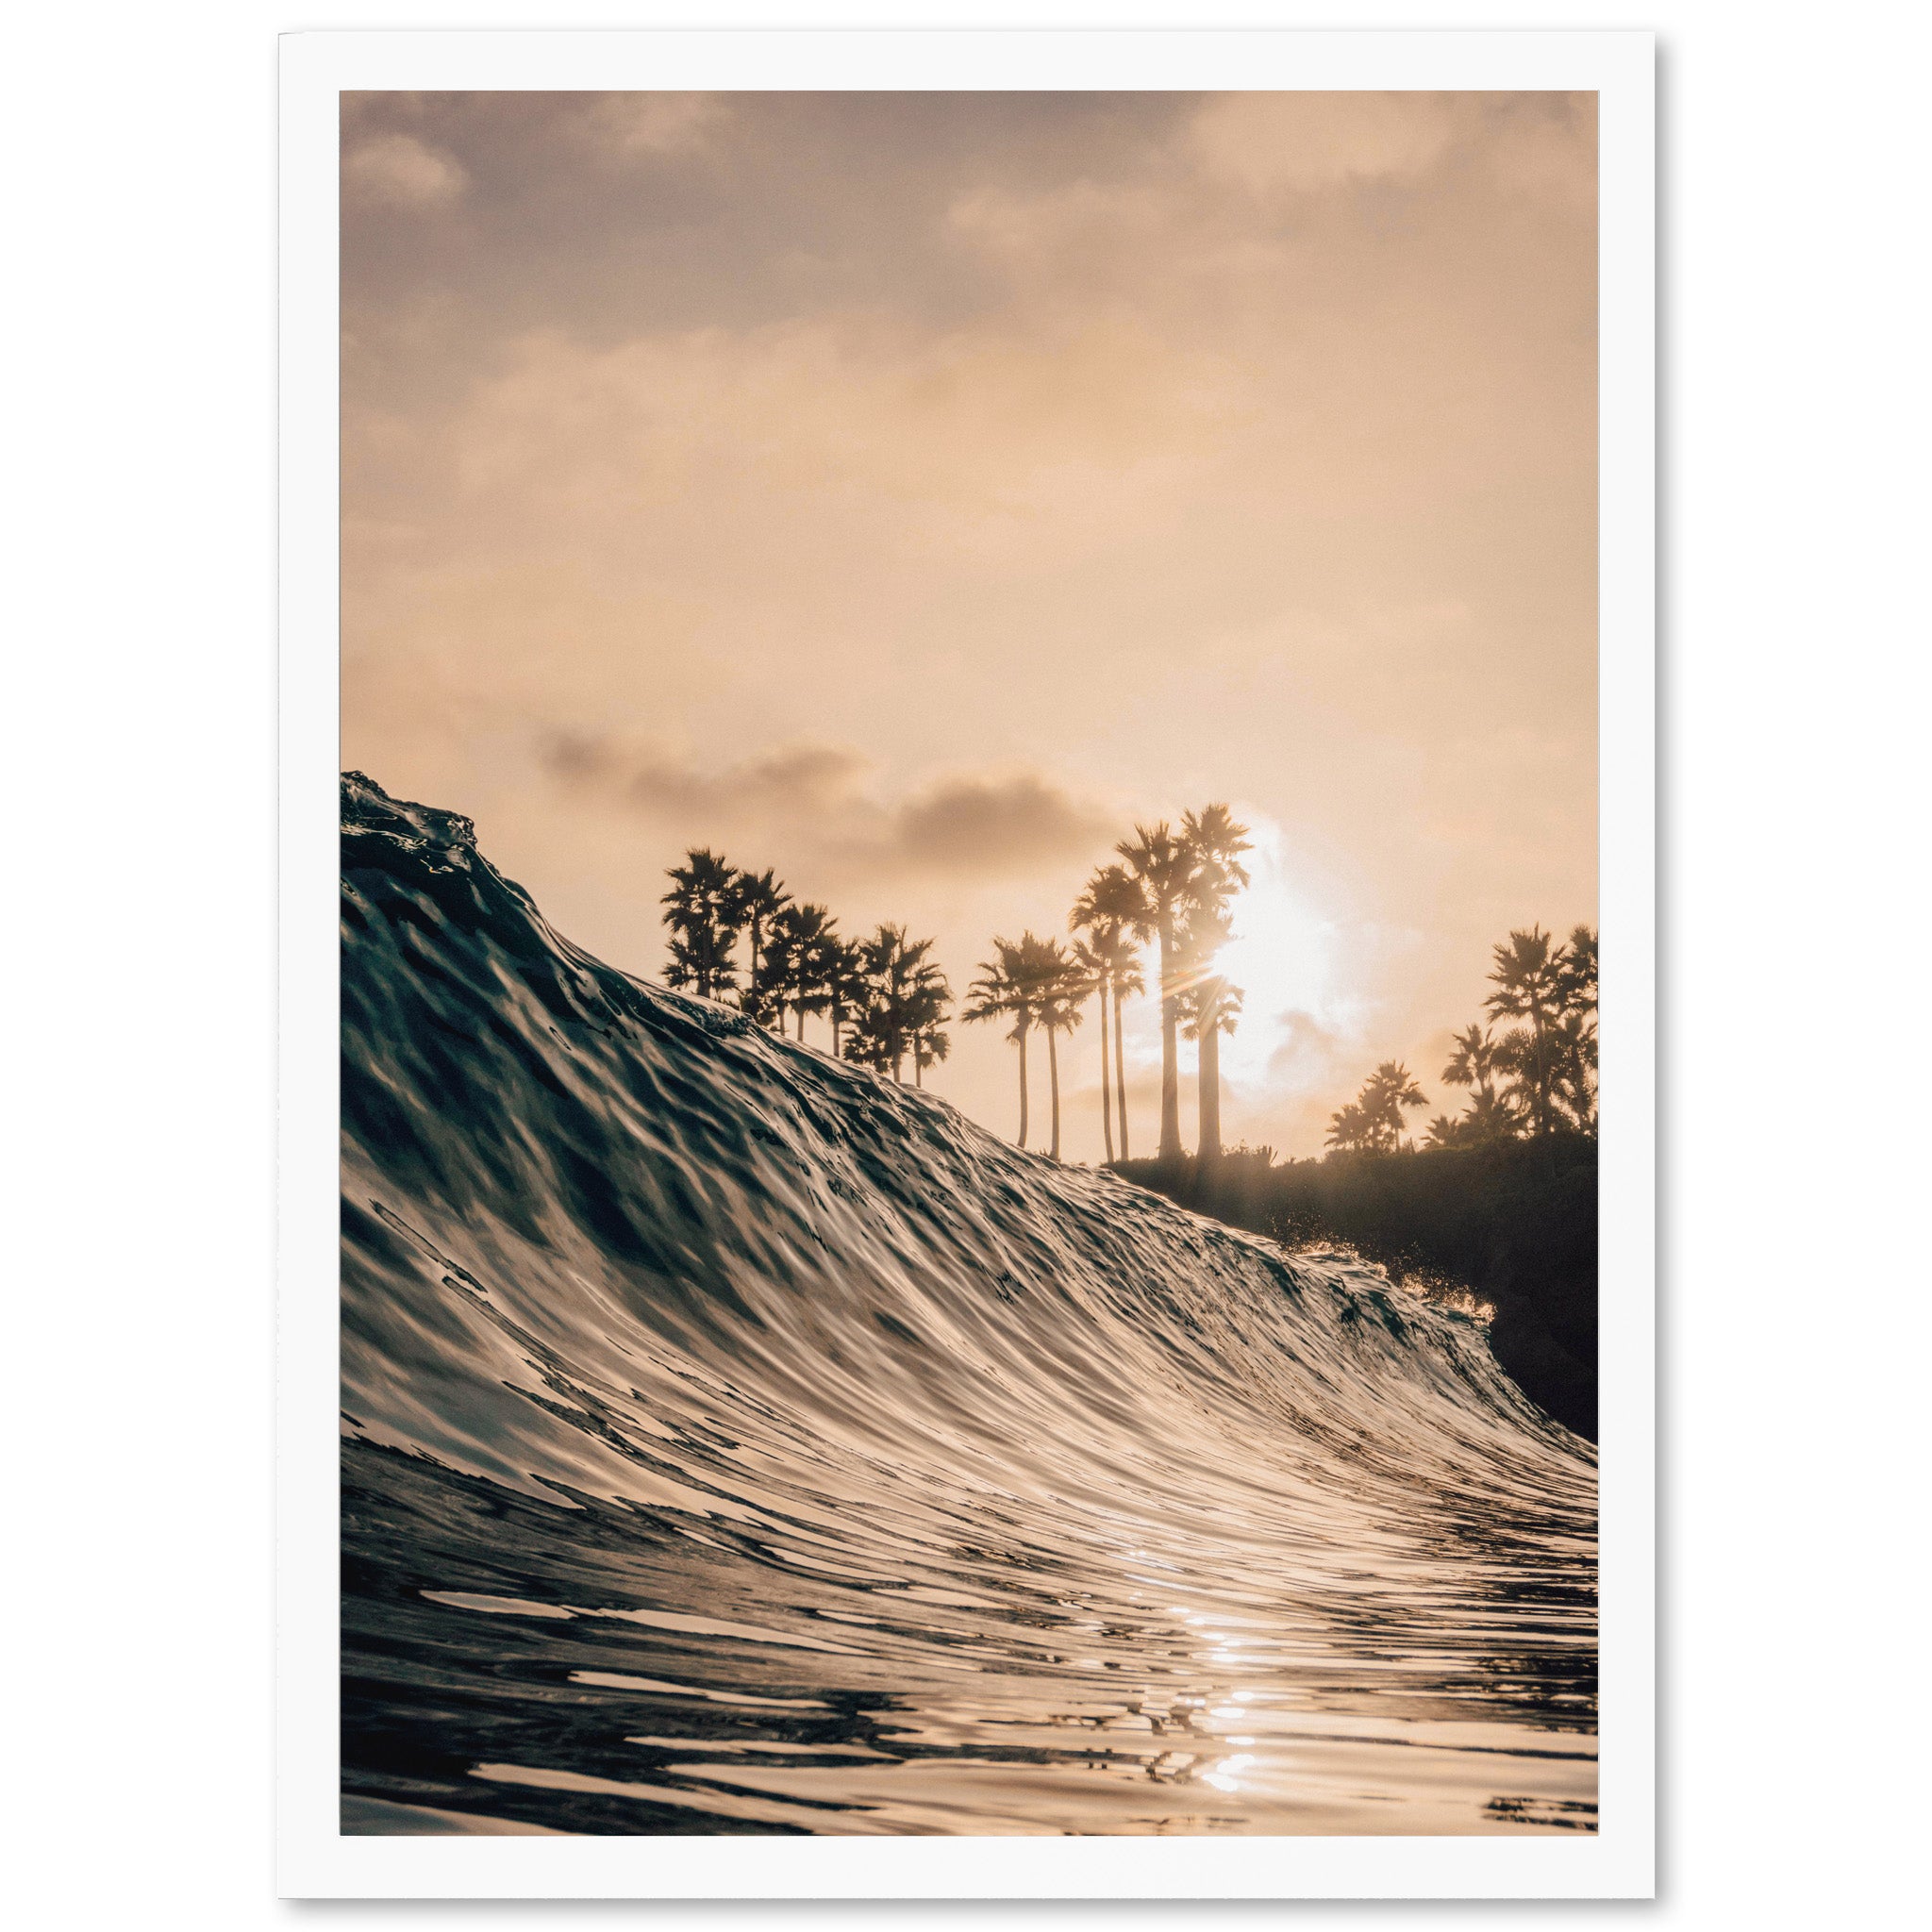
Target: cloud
{"x": 964, "y": 824}
{"x": 985, "y": 825}
{"x": 1306, "y": 1050}
{"x": 792, "y": 778}
{"x": 399, "y": 171}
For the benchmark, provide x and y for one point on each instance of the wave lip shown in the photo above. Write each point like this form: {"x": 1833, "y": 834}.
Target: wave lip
{"x": 737, "y": 1440}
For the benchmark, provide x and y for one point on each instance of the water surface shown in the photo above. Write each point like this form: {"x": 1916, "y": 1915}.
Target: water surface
{"x": 735, "y": 1441}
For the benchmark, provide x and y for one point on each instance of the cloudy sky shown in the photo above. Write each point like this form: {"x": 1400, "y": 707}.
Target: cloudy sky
{"x": 911, "y": 491}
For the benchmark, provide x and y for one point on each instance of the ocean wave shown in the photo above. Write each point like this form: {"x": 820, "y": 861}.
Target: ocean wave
{"x": 737, "y": 1440}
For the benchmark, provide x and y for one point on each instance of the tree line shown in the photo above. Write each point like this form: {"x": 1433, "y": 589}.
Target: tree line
{"x": 888, "y": 1001}
{"x": 1172, "y": 889}
{"x": 1530, "y": 1064}
{"x": 884, "y": 995}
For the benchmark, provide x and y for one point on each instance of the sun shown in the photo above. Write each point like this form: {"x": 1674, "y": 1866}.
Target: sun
{"x": 1283, "y": 955}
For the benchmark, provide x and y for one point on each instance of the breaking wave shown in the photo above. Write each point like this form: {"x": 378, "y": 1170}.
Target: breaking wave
{"x": 736, "y": 1441}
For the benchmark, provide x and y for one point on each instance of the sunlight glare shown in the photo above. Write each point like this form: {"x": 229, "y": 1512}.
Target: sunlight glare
{"x": 1282, "y": 956}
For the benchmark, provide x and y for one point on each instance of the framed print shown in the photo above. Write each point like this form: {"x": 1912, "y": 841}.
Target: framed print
{"x": 967, "y": 814}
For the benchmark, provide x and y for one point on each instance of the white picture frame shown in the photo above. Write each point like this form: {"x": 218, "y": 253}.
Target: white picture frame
{"x": 316, "y": 1860}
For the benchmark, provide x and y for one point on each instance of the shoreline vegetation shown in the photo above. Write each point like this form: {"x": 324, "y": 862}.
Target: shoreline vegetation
{"x": 1506, "y": 1229}
{"x": 1494, "y": 1210}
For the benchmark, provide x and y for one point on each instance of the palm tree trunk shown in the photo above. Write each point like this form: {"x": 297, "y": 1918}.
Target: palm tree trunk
{"x": 1023, "y": 1083}
{"x": 1106, "y": 1085}
{"x": 1169, "y": 1047}
{"x": 1119, "y": 1073}
{"x": 1053, "y": 1068}
{"x": 1209, "y": 1149}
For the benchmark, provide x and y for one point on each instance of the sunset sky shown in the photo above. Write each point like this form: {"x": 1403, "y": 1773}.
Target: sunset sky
{"x": 911, "y": 491}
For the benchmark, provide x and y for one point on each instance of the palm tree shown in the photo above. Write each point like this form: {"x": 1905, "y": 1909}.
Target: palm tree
{"x": 1096, "y": 977}
{"x": 1163, "y": 866}
{"x": 1129, "y": 982}
{"x": 795, "y": 959}
{"x": 1490, "y": 1115}
{"x": 926, "y": 1000}
{"x": 1001, "y": 992}
{"x": 703, "y": 910}
{"x": 1024, "y": 981}
{"x": 843, "y": 979}
{"x": 904, "y": 990}
{"x": 1572, "y": 1081}
{"x": 1577, "y": 970}
{"x": 1113, "y": 911}
{"x": 1388, "y": 1093}
{"x": 766, "y": 994}
{"x": 1527, "y": 976}
{"x": 1371, "y": 1121}
{"x": 1349, "y": 1131}
{"x": 1060, "y": 989}
{"x": 1474, "y": 1061}
{"x": 761, "y": 898}
{"x": 818, "y": 970}
{"x": 929, "y": 1044}
{"x": 1574, "y": 1042}
{"x": 1210, "y": 1005}
{"x": 1217, "y": 843}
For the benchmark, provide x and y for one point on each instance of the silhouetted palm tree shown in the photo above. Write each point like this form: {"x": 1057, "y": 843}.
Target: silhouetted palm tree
{"x": 904, "y": 990}
{"x": 929, "y": 1044}
{"x": 1060, "y": 989}
{"x": 1129, "y": 983}
{"x": 1577, "y": 970}
{"x": 1217, "y": 843}
{"x": 1096, "y": 977}
{"x": 1474, "y": 1061}
{"x": 926, "y": 1000}
{"x": 796, "y": 953}
{"x": 1490, "y": 1117}
{"x": 1387, "y": 1095}
{"x": 761, "y": 898}
{"x": 704, "y": 912}
{"x": 1371, "y": 1122}
{"x": 1527, "y": 975}
{"x": 1001, "y": 992}
{"x": 1210, "y": 1005}
{"x": 1164, "y": 868}
{"x": 1024, "y": 981}
{"x": 843, "y": 979}
{"x": 1572, "y": 1081}
{"x": 1112, "y": 911}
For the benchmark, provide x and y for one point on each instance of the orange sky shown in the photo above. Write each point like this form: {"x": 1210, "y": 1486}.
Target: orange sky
{"x": 911, "y": 491}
